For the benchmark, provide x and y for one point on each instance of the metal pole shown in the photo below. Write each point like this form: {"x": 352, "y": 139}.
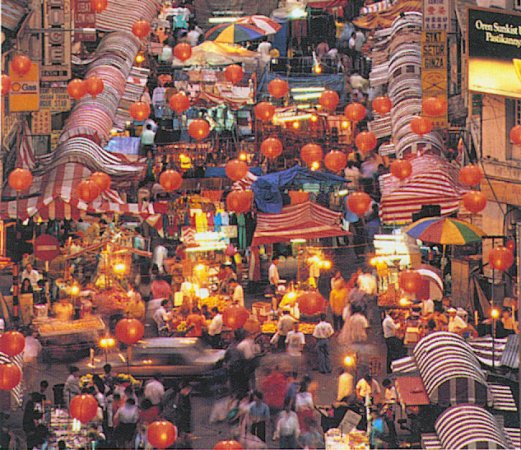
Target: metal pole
{"x": 518, "y": 247}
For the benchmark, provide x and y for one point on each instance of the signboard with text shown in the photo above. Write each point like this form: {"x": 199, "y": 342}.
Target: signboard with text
{"x": 55, "y": 99}
{"x": 56, "y": 64}
{"x": 494, "y": 52}
{"x": 434, "y": 70}
{"x": 436, "y": 15}
{"x": 24, "y": 93}
{"x": 84, "y": 17}
{"x": 41, "y": 122}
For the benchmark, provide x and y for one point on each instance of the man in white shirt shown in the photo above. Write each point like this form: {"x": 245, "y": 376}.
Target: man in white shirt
{"x": 284, "y": 326}
{"x": 264, "y": 50}
{"x": 393, "y": 343}
{"x": 273, "y": 273}
{"x": 456, "y": 323}
{"x": 193, "y": 35}
{"x": 215, "y": 328}
{"x": 154, "y": 390}
{"x": 32, "y": 275}
{"x": 237, "y": 292}
{"x": 161, "y": 318}
{"x": 159, "y": 255}
{"x": 322, "y": 332}
{"x": 295, "y": 341}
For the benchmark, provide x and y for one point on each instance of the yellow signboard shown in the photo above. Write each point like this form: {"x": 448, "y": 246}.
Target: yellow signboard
{"x": 434, "y": 70}
{"x": 24, "y": 94}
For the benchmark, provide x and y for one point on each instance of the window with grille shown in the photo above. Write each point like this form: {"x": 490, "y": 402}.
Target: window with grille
{"x": 517, "y": 106}
{"x": 517, "y": 5}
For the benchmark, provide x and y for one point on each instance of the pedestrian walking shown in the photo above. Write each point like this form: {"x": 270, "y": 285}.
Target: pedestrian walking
{"x": 393, "y": 343}
{"x": 288, "y": 429}
{"x": 322, "y": 333}
{"x": 259, "y": 415}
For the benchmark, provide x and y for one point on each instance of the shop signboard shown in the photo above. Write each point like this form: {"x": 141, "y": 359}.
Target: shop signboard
{"x": 55, "y": 99}
{"x": 436, "y": 15}
{"x": 41, "y": 122}
{"x": 434, "y": 70}
{"x": 46, "y": 247}
{"x": 494, "y": 52}
{"x": 24, "y": 94}
{"x": 84, "y": 17}
{"x": 56, "y": 64}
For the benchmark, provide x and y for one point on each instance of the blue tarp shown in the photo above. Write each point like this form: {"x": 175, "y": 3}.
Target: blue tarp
{"x": 267, "y": 189}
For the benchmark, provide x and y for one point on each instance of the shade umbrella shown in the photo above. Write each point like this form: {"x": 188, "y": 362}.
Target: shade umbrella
{"x": 269, "y": 26}
{"x": 234, "y": 32}
{"x": 445, "y": 231}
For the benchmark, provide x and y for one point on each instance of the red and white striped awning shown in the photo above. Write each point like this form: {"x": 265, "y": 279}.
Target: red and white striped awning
{"x": 304, "y": 221}
{"x": 434, "y": 181}
{"x": 53, "y": 196}
{"x": 120, "y": 15}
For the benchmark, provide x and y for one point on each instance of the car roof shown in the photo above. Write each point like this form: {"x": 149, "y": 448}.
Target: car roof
{"x": 168, "y": 342}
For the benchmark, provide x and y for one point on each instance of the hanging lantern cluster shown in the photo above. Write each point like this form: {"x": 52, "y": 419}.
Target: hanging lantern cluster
{"x": 6, "y": 84}
{"x": 329, "y": 100}
{"x": 141, "y": 29}
{"x": 421, "y": 125}
{"x": 10, "y": 376}
{"x": 474, "y": 201}
{"x": 99, "y": 5}
{"x": 355, "y": 112}
{"x": 199, "y": 129}
{"x": 239, "y": 201}
{"x": 366, "y": 141}
{"x": 129, "y": 331}
{"x": 83, "y": 407}
{"x": 471, "y": 175}
{"x": 76, "y": 88}
{"x": 161, "y": 434}
{"x": 94, "y": 86}
{"x": 139, "y": 111}
{"x": 179, "y": 102}
{"x": 12, "y": 343}
{"x": 501, "y": 258}
{"x": 311, "y": 154}
{"x": 335, "y": 160}
{"x": 264, "y": 111}
{"x": 410, "y": 281}
{"x": 234, "y": 73}
{"x": 401, "y": 168}
{"x": 90, "y": 189}
{"x": 183, "y": 51}
{"x": 359, "y": 203}
{"x": 236, "y": 170}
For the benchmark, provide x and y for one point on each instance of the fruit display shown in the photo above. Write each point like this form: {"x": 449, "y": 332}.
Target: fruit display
{"x": 214, "y": 301}
{"x": 110, "y": 302}
{"x": 120, "y": 378}
{"x": 57, "y": 327}
{"x": 271, "y": 327}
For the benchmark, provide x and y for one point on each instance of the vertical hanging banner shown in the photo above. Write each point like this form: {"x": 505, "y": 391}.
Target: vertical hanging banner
{"x": 56, "y": 65}
{"x": 84, "y": 17}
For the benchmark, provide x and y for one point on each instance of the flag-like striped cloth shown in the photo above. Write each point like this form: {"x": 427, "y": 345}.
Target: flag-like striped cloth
{"x": 434, "y": 181}
{"x": 17, "y": 392}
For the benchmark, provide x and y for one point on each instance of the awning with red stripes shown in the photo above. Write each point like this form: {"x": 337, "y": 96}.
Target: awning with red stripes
{"x": 434, "y": 181}
{"x": 304, "y": 221}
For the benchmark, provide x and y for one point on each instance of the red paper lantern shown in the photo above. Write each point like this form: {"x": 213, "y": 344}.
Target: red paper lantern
{"x": 311, "y": 153}
{"x": 10, "y": 376}
{"x": 365, "y": 141}
{"x": 235, "y": 316}
{"x": 139, "y": 111}
{"x": 179, "y": 102}
{"x": 239, "y": 201}
{"x": 335, "y": 160}
{"x": 474, "y": 201}
{"x": 410, "y": 281}
{"x": 433, "y": 106}
{"x": 228, "y": 445}
{"x": 511, "y": 245}
{"x": 170, "y": 180}
{"x": 83, "y": 407}
{"x": 278, "y": 88}
{"x": 88, "y": 191}
{"x": 234, "y": 73}
{"x": 401, "y": 168}
{"x": 515, "y": 135}
{"x": 236, "y": 170}
{"x": 382, "y": 105}
{"x": 199, "y": 129}
{"x": 12, "y": 343}
{"x": 271, "y": 148}
{"x": 311, "y": 303}
{"x": 76, "y": 88}
{"x": 183, "y": 51}
{"x": 99, "y": 5}
{"x": 501, "y": 258}
{"x": 470, "y": 175}
{"x": 141, "y": 29}
{"x": 102, "y": 180}
{"x": 129, "y": 331}
{"x": 21, "y": 64}
{"x": 20, "y": 179}
{"x": 264, "y": 111}
{"x": 355, "y": 112}
{"x": 161, "y": 434}
{"x": 329, "y": 100}
{"x": 421, "y": 125}
{"x": 94, "y": 86}
{"x": 359, "y": 203}
{"x": 6, "y": 84}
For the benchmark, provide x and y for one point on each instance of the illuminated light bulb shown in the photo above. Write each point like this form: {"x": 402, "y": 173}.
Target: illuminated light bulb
{"x": 404, "y": 302}
{"x": 75, "y": 290}
{"x": 243, "y": 156}
{"x": 120, "y": 268}
{"x": 315, "y": 165}
{"x": 349, "y": 361}
{"x": 344, "y": 124}
{"x": 140, "y": 58}
{"x": 314, "y": 118}
{"x": 317, "y": 68}
{"x": 494, "y": 313}
{"x": 296, "y": 125}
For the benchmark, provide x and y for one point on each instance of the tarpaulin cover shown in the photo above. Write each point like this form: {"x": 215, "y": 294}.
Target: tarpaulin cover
{"x": 267, "y": 189}
{"x": 220, "y": 172}
{"x": 304, "y": 221}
